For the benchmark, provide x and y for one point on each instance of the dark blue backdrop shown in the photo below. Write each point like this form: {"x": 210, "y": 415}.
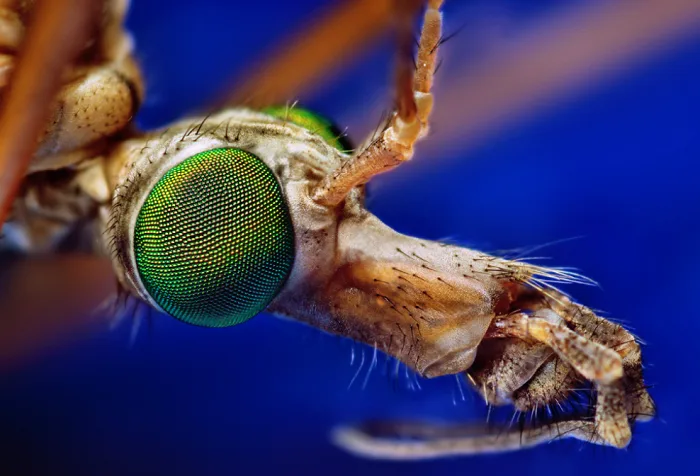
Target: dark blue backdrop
{"x": 617, "y": 165}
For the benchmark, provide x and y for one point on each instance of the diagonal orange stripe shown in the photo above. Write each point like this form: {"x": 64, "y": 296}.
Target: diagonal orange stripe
{"x": 314, "y": 51}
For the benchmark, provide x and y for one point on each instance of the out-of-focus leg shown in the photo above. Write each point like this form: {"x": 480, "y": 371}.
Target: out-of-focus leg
{"x": 55, "y": 37}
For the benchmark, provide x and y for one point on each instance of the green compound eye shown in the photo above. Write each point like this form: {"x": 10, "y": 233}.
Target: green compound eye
{"x": 214, "y": 241}
{"x": 314, "y": 123}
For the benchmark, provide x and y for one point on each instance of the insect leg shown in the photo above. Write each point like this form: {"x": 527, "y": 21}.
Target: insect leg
{"x": 408, "y": 124}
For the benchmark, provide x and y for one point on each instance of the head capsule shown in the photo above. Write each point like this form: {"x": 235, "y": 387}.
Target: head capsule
{"x": 211, "y": 221}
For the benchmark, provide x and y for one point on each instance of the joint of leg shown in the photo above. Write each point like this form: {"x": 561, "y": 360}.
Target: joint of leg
{"x": 424, "y": 105}
{"x": 403, "y": 134}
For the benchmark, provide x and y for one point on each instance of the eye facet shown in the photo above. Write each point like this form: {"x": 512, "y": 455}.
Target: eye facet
{"x": 312, "y": 122}
{"x": 214, "y": 241}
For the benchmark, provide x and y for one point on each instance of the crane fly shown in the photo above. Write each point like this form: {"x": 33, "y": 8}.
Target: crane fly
{"x": 261, "y": 207}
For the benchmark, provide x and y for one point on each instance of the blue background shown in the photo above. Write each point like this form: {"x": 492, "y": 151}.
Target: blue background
{"x": 616, "y": 165}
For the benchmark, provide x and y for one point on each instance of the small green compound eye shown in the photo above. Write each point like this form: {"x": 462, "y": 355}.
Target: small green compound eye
{"x": 214, "y": 241}
{"x": 314, "y": 123}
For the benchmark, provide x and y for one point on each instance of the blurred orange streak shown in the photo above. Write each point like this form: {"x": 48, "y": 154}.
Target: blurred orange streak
{"x": 45, "y": 301}
{"x": 561, "y": 55}
{"x": 57, "y": 33}
{"x": 317, "y": 49}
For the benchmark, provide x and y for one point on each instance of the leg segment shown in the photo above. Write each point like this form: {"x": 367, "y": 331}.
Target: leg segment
{"x": 407, "y": 125}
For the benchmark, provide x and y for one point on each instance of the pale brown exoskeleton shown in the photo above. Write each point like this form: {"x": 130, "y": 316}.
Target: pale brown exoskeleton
{"x": 214, "y": 219}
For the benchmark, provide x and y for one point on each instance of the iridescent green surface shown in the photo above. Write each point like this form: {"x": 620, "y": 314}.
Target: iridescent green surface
{"x": 313, "y": 122}
{"x": 214, "y": 241}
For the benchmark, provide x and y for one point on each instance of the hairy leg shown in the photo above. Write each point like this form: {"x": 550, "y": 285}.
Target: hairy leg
{"x": 408, "y": 124}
